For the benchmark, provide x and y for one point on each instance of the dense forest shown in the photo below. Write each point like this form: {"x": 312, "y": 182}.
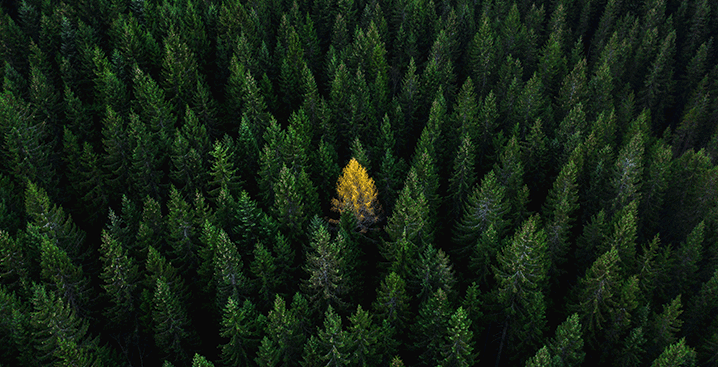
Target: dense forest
{"x": 358, "y": 183}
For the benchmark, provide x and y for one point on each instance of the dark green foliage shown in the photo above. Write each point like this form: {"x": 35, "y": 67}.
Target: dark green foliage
{"x": 486, "y": 207}
{"x": 676, "y": 354}
{"x": 121, "y": 279}
{"x": 241, "y": 325}
{"x": 567, "y": 345}
{"x": 410, "y": 216}
{"x": 326, "y": 264}
{"x": 171, "y": 323}
{"x": 561, "y": 203}
{"x": 329, "y": 347}
{"x": 66, "y": 279}
{"x": 58, "y": 334}
{"x": 283, "y": 341}
{"x": 458, "y": 348}
{"x": 27, "y": 143}
{"x": 230, "y": 281}
{"x": 433, "y": 272}
{"x": 432, "y": 324}
{"x": 521, "y": 277}
{"x": 392, "y": 302}
{"x": 561, "y": 153}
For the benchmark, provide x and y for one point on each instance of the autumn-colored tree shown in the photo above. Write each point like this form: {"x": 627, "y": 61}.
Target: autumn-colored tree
{"x": 357, "y": 193}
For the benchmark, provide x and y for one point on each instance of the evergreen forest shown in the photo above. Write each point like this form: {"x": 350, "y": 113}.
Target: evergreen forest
{"x": 359, "y": 183}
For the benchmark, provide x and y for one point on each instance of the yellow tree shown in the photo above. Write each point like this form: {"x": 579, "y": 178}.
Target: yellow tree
{"x": 357, "y": 194}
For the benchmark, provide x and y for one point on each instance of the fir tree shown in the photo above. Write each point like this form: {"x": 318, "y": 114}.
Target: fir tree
{"x": 458, "y": 348}
{"x": 567, "y": 345}
{"x": 676, "y": 354}
{"x": 330, "y": 347}
{"x": 561, "y": 203}
{"x": 282, "y": 344}
{"x": 59, "y": 335}
{"x": 229, "y": 279}
{"x": 121, "y": 279}
{"x": 431, "y": 326}
{"x": 392, "y": 302}
{"x": 521, "y": 277}
{"x": 410, "y": 214}
{"x": 328, "y": 280}
{"x": 241, "y": 325}
{"x": 173, "y": 335}
{"x": 67, "y": 279}
{"x": 223, "y": 174}
{"x": 485, "y": 207}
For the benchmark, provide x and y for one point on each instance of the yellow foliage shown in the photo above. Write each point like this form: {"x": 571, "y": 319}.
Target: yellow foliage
{"x": 357, "y": 193}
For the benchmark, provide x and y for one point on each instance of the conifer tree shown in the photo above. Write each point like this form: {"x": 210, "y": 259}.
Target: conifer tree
{"x": 147, "y": 159}
{"x": 200, "y": 361}
{"x": 521, "y": 276}
{"x": 676, "y": 354}
{"x": 392, "y": 302}
{"x": 465, "y": 118}
{"x": 151, "y": 230}
{"x": 327, "y": 168}
{"x": 410, "y": 215}
{"x": 229, "y": 279}
{"x": 264, "y": 269}
{"x": 16, "y": 330}
{"x": 121, "y": 279}
{"x": 181, "y": 232}
{"x": 665, "y": 326}
{"x": 290, "y": 70}
{"x": 561, "y": 203}
{"x": 628, "y": 173}
{"x": 567, "y": 344}
{"x": 656, "y": 93}
{"x": 46, "y": 219}
{"x": 15, "y": 262}
{"x": 153, "y": 107}
{"x": 66, "y": 279}
{"x": 433, "y": 271}
{"x": 574, "y": 89}
{"x": 686, "y": 259}
{"x": 173, "y": 335}
{"x": 330, "y": 347}
{"x": 595, "y": 233}
{"x": 357, "y": 194}
{"x": 362, "y": 337}
{"x": 603, "y": 297}
{"x": 283, "y": 341}
{"x": 328, "y": 279}
{"x": 241, "y": 325}
{"x": 59, "y": 335}
{"x": 223, "y": 174}
{"x": 485, "y": 207}
{"x": 290, "y": 205}
{"x": 116, "y": 143}
{"x": 179, "y": 69}
{"x": 624, "y": 236}
{"x": 482, "y": 56}
{"x": 187, "y": 165}
{"x": 458, "y": 345}
{"x": 431, "y": 327}
{"x": 111, "y": 89}
{"x": 510, "y": 174}
{"x": 27, "y": 143}
{"x": 542, "y": 358}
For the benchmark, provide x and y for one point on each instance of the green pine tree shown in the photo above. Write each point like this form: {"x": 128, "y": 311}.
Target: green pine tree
{"x": 458, "y": 345}
{"x": 241, "y": 325}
